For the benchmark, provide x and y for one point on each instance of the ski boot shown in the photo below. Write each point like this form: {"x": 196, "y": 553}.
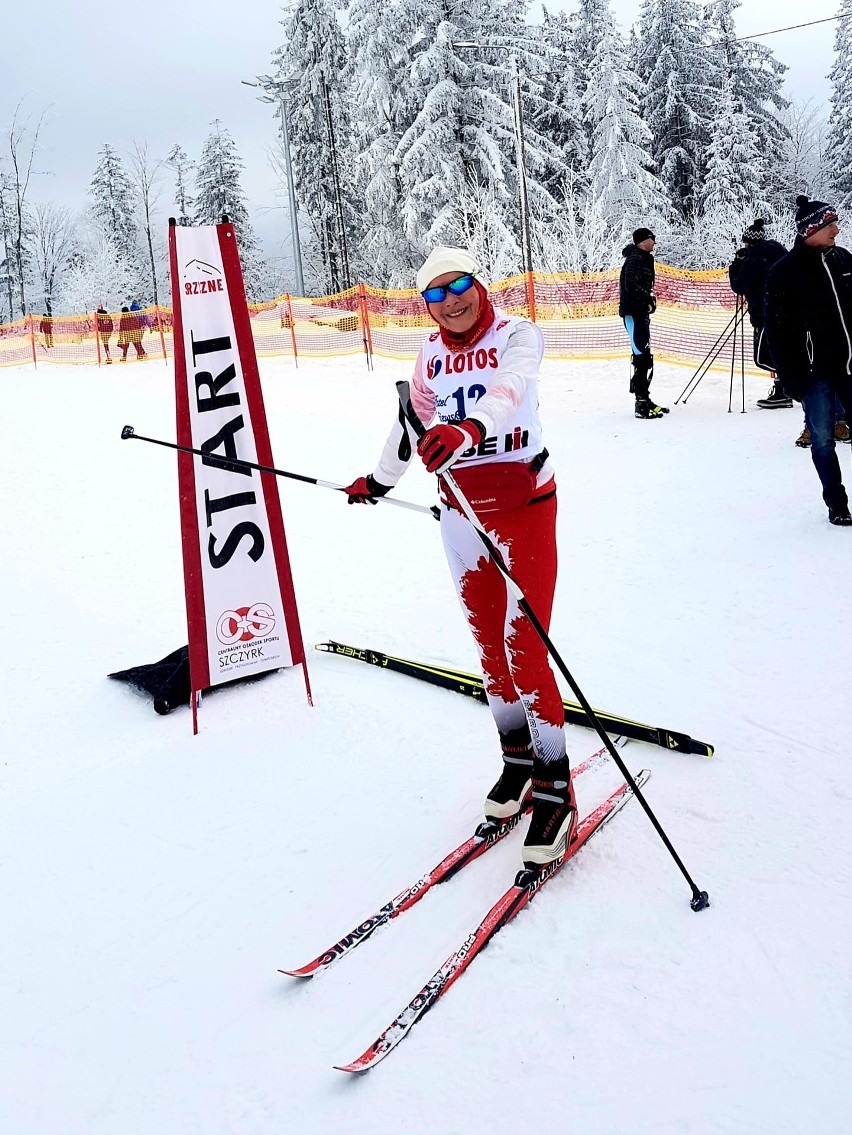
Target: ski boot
{"x": 776, "y": 399}
{"x": 645, "y": 408}
{"x": 553, "y": 826}
{"x": 511, "y": 793}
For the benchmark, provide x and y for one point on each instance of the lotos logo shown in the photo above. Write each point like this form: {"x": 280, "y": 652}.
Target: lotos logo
{"x": 245, "y": 624}
{"x": 433, "y": 367}
{"x": 211, "y": 278}
{"x": 460, "y": 361}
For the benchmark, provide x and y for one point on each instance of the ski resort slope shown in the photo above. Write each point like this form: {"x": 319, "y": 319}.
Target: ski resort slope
{"x": 152, "y": 882}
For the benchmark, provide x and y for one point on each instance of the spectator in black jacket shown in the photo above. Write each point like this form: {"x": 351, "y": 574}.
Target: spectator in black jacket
{"x": 748, "y": 274}
{"x": 636, "y": 304}
{"x": 809, "y": 324}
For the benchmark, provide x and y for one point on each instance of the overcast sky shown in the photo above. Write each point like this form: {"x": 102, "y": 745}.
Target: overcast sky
{"x": 161, "y": 71}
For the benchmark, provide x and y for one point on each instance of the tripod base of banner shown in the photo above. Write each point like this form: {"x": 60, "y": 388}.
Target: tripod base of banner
{"x": 167, "y": 681}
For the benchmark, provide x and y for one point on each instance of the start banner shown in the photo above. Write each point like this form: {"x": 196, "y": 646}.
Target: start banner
{"x": 240, "y": 600}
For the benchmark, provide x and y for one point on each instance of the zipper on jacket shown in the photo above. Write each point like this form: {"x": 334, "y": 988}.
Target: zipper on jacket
{"x": 840, "y": 313}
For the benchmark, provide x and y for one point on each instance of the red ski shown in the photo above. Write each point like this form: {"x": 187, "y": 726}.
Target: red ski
{"x": 485, "y": 837}
{"x": 525, "y": 888}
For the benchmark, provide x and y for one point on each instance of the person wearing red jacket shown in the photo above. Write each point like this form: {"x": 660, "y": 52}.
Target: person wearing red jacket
{"x": 130, "y": 330}
{"x": 475, "y": 386}
{"x": 46, "y": 328}
{"x": 104, "y": 328}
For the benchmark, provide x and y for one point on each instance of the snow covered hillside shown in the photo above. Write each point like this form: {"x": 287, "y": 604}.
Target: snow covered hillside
{"x": 152, "y": 882}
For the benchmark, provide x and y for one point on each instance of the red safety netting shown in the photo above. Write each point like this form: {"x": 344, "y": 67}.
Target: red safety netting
{"x": 578, "y": 316}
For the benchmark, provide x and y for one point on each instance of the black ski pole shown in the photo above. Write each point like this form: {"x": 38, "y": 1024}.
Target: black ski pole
{"x": 740, "y": 323}
{"x": 699, "y": 899}
{"x": 232, "y": 463}
{"x": 707, "y": 361}
{"x": 734, "y": 355}
{"x": 742, "y": 348}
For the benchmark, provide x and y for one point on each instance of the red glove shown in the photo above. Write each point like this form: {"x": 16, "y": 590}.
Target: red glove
{"x": 442, "y": 445}
{"x": 365, "y": 490}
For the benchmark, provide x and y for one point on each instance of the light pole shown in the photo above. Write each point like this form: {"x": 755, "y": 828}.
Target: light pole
{"x": 523, "y": 198}
{"x": 343, "y": 251}
{"x": 291, "y": 189}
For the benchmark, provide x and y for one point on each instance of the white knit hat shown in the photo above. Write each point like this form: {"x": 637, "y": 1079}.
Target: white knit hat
{"x": 441, "y": 260}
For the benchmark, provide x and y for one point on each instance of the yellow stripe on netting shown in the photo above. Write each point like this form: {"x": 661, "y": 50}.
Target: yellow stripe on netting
{"x": 578, "y": 315}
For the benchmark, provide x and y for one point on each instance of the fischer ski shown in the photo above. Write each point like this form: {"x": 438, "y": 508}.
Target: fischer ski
{"x": 471, "y": 685}
{"x": 487, "y": 835}
{"x": 526, "y": 886}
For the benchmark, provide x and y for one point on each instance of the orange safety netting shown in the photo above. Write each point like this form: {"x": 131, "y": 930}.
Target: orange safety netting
{"x": 578, "y": 316}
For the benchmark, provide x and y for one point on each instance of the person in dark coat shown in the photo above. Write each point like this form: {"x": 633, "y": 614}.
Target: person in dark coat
{"x": 636, "y": 304}
{"x": 747, "y": 275}
{"x": 104, "y": 325}
{"x": 809, "y": 325}
{"x": 46, "y": 328}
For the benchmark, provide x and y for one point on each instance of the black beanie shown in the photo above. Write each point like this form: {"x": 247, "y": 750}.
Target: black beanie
{"x": 642, "y": 234}
{"x": 812, "y": 215}
{"x": 754, "y": 232}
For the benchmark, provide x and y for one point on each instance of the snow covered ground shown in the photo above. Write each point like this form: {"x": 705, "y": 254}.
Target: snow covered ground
{"x": 151, "y": 882}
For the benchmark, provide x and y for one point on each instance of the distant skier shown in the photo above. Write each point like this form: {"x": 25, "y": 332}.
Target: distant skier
{"x": 144, "y": 320}
{"x": 104, "y": 326}
{"x": 477, "y": 377}
{"x": 809, "y": 325}
{"x": 46, "y": 329}
{"x": 637, "y": 303}
{"x": 130, "y": 329}
{"x": 747, "y": 274}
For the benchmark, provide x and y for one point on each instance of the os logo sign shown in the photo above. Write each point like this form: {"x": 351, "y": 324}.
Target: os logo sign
{"x": 245, "y": 624}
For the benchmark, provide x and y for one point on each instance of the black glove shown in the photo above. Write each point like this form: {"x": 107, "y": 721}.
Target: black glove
{"x": 652, "y": 304}
{"x": 364, "y": 490}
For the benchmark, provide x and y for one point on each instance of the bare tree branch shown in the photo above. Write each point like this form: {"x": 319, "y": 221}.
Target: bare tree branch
{"x": 53, "y": 244}
{"x": 23, "y": 144}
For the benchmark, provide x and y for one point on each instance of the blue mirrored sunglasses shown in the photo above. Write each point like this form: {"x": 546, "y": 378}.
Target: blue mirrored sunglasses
{"x": 456, "y": 287}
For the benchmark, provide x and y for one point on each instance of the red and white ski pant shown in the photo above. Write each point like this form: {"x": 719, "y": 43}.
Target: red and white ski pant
{"x": 519, "y": 682}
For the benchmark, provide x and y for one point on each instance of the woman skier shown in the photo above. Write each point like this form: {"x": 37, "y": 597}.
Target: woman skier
{"x": 475, "y": 386}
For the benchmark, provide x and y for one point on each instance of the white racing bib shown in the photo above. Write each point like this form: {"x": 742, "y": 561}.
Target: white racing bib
{"x": 459, "y": 380}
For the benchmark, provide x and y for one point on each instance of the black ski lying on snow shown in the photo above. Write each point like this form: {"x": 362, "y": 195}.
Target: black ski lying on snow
{"x": 471, "y": 685}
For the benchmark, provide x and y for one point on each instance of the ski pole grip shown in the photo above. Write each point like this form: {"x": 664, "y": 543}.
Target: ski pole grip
{"x": 403, "y": 389}
{"x": 127, "y": 432}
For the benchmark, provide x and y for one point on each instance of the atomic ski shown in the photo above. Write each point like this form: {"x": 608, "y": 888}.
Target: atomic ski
{"x": 489, "y": 833}
{"x": 525, "y": 888}
{"x": 471, "y": 685}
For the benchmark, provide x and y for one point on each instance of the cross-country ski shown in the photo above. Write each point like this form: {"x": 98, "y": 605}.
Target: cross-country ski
{"x": 387, "y": 456}
{"x": 487, "y": 835}
{"x": 525, "y": 888}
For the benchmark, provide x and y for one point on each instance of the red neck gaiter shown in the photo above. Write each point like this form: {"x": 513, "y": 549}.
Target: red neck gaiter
{"x": 483, "y": 321}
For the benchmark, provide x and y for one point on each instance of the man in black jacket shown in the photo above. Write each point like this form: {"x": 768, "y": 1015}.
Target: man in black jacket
{"x": 637, "y": 303}
{"x": 747, "y": 275}
{"x": 809, "y": 325}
